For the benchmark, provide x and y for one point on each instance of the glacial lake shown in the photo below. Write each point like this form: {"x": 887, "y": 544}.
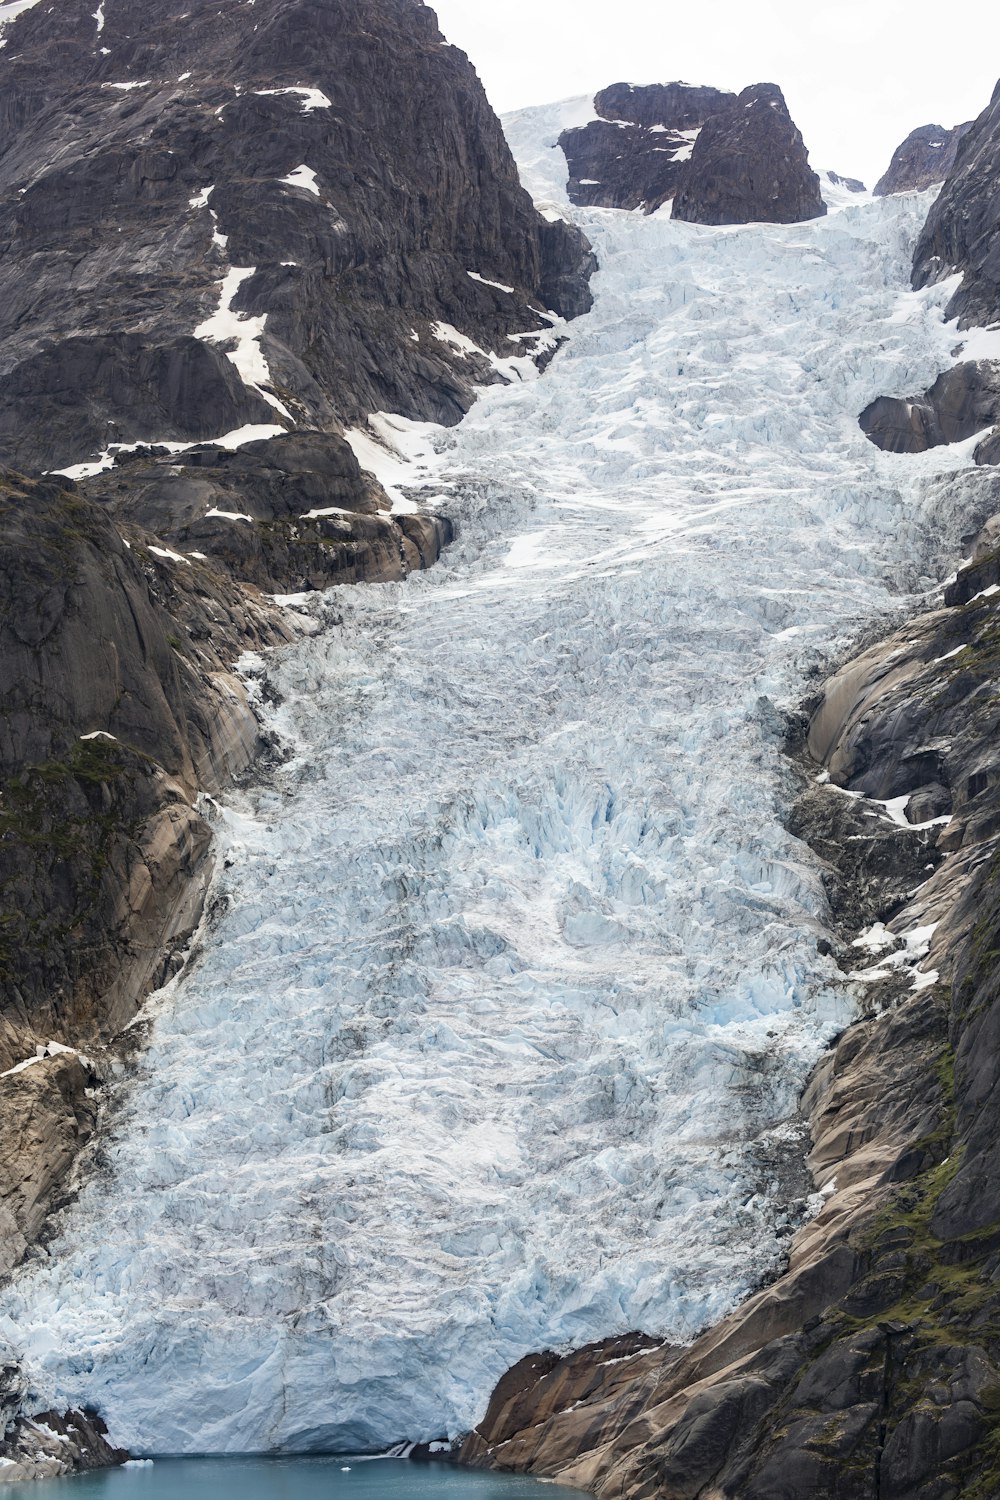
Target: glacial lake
{"x": 290, "y": 1479}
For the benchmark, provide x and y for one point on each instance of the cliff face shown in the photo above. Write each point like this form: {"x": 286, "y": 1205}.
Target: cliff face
{"x": 924, "y": 158}
{"x": 721, "y": 159}
{"x": 253, "y": 215}
{"x": 962, "y": 232}
{"x": 750, "y": 165}
{"x": 635, "y": 154}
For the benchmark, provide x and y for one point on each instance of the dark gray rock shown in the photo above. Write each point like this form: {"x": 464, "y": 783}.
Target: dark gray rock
{"x": 962, "y": 232}
{"x": 287, "y": 514}
{"x": 961, "y": 402}
{"x": 750, "y": 165}
{"x": 108, "y": 263}
{"x": 635, "y": 155}
{"x": 850, "y": 184}
{"x": 924, "y": 158}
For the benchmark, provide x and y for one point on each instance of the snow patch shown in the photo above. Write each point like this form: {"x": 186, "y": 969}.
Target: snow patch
{"x": 302, "y": 177}
{"x": 245, "y": 330}
{"x": 311, "y": 98}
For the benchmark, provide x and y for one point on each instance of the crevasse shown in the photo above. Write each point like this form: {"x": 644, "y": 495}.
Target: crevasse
{"x": 512, "y": 980}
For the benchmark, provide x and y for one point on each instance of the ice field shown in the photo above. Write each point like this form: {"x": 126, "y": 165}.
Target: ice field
{"x": 511, "y": 981}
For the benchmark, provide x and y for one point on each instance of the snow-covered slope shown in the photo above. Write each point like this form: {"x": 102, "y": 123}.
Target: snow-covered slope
{"x": 512, "y": 983}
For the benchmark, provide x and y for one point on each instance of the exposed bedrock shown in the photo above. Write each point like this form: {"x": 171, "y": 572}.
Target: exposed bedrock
{"x": 961, "y": 402}
{"x": 635, "y": 154}
{"x": 962, "y": 233}
{"x": 119, "y": 705}
{"x": 306, "y": 187}
{"x": 750, "y": 164}
{"x": 871, "y": 1369}
{"x": 923, "y": 159}
{"x": 288, "y": 514}
{"x": 722, "y": 159}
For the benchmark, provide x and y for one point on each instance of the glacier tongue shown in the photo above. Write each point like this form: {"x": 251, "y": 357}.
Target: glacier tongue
{"x": 512, "y": 981}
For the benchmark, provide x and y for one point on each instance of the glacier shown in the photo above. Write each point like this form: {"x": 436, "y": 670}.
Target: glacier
{"x": 510, "y": 982}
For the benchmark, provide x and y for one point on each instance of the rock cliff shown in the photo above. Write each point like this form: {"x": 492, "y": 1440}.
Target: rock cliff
{"x": 273, "y": 215}
{"x": 750, "y": 164}
{"x": 721, "y": 159}
{"x": 962, "y": 233}
{"x": 926, "y": 157}
{"x": 635, "y": 154}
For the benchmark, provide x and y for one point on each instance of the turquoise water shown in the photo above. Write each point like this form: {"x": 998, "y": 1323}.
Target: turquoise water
{"x": 290, "y": 1479}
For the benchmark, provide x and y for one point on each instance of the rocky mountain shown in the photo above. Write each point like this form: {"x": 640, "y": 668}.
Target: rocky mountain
{"x": 634, "y": 155}
{"x": 750, "y": 165}
{"x": 924, "y": 158}
{"x": 961, "y": 233}
{"x": 721, "y": 159}
{"x": 233, "y": 222}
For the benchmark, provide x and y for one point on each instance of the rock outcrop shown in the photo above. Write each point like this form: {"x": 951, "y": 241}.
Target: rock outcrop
{"x": 265, "y": 215}
{"x": 635, "y": 154}
{"x": 119, "y": 705}
{"x": 749, "y": 164}
{"x": 924, "y": 158}
{"x": 721, "y": 159}
{"x": 961, "y": 402}
{"x": 870, "y": 1370}
{"x": 287, "y": 514}
{"x": 962, "y": 232}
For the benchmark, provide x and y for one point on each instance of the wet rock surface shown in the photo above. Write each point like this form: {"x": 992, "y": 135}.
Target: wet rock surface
{"x": 318, "y": 179}
{"x": 750, "y": 165}
{"x": 119, "y": 705}
{"x": 961, "y": 233}
{"x": 923, "y": 159}
{"x": 872, "y": 1367}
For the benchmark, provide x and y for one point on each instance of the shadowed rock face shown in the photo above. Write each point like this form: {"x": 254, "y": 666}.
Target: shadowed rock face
{"x": 750, "y": 165}
{"x": 962, "y": 232}
{"x": 925, "y": 157}
{"x": 722, "y": 159}
{"x": 634, "y": 156}
{"x": 146, "y": 157}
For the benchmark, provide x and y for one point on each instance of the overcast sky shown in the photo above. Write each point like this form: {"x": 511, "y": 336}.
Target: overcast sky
{"x": 858, "y": 75}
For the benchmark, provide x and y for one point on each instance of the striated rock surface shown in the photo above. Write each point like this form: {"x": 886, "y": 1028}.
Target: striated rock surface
{"x": 962, "y": 232}
{"x": 871, "y": 1369}
{"x": 924, "y": 158}
{"x": 635, "y": 154}
{"x": 267, "y": 215}
{"x": 750, "y": 164}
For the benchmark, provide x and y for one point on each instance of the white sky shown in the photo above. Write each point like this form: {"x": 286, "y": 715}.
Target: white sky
{"x": 858, "y": 75}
